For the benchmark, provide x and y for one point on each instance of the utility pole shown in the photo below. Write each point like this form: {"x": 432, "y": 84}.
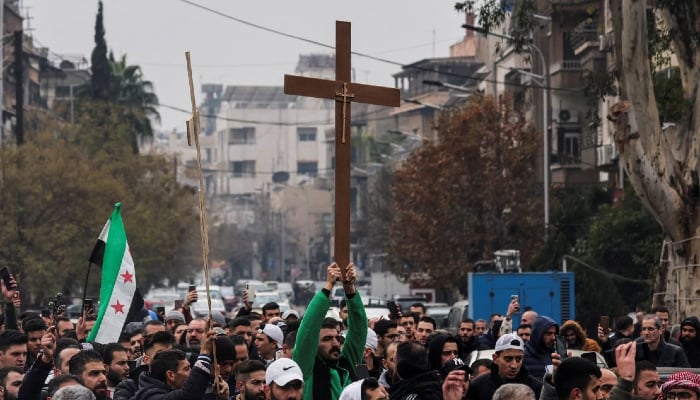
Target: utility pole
{"x": 19, "y": 89}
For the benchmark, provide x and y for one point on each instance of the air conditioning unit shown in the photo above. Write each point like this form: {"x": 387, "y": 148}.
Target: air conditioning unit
{"x": 568, "y": 116}
{"x": 606, "y": 154}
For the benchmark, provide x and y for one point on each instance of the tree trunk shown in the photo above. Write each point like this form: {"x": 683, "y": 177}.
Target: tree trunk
{"x": 662, "y": 165}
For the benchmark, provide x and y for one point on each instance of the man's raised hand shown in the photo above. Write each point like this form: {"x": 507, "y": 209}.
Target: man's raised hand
{"x": 333, "y": 276}
{"x": 349, "y": 279}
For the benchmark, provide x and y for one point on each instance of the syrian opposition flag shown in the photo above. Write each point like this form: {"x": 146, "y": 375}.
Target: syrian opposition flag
{"x": 120, "y": 301}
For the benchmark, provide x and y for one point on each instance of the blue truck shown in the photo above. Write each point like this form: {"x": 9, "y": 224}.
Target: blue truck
{"x": 548, "y": 293}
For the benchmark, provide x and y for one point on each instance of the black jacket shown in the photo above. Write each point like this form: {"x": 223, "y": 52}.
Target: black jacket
{"x": 669, "y": 355}
{"x": 692, "y": 346}
{"x": 126, "y": 389}
{"x": 194, "y": 389}
{"x": 425, "y": 386}
{"x": 483, "y": 387}
{"x": 34, "y": 379}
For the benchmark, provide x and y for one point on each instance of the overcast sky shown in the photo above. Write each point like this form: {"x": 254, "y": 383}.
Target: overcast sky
{"x": 155, "y": 34}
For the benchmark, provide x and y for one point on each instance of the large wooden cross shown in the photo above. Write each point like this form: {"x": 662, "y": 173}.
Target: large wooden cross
{"x": 343, "y": 92}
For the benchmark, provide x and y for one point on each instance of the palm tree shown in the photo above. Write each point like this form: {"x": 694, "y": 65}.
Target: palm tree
{"x": 135, "y": 96}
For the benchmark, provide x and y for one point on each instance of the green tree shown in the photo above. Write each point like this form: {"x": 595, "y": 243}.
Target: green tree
{"x": 57, "y": 193}
{"x": 469, "y": 193}
{"x": 100, "y": 79}
{"x": 662, "y": 164}
{"x": 136, "y": 98}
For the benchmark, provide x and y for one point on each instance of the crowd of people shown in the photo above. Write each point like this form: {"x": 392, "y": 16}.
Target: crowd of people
{"x": 272, "y": 355}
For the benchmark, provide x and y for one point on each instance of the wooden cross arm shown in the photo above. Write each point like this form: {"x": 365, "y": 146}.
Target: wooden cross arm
{"x": 327, "y": 89}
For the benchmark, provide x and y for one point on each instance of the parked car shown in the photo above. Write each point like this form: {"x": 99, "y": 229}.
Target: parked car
{"x": 458, "y": 312}
{"x": 488, "y": 354}
{"x": 438, "y": 312}
{"x": 405, "y": 302}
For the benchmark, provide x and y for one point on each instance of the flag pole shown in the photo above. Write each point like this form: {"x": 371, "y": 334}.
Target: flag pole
{"x": 193, "y": 132}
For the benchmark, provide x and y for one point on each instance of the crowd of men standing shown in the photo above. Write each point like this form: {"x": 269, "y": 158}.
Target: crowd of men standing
{"x": 273, "y": 355}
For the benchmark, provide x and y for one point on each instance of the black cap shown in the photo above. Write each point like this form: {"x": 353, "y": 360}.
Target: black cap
{"x": 456, "y": 364}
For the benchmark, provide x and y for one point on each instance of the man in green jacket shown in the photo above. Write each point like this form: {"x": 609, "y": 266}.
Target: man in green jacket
{"x": 327, "y": 366}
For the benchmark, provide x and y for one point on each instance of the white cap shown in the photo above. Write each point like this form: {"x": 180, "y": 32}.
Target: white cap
{"x": 283, "y": 371}
{"x": 509, "y": 341}
{"x": 288, "y": 313}
{"x": 371, "y": 341}
{"x": 352, "y": 391}
{"x": 274, "y": 333}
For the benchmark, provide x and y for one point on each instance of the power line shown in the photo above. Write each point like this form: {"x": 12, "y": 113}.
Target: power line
{"x": 368, "y": 56}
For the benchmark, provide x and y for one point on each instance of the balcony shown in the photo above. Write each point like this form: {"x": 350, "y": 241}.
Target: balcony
{"x": 585, "y": 36}
{"x": 566, "y": 74}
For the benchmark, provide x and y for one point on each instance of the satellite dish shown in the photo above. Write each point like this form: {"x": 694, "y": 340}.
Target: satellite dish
{"x": 280, "y": 177}
{"x": 564, "y": 115}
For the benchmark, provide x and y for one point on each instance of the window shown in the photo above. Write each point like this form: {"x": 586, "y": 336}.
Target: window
{"x": 243, "y": 169}
{"x": 571, "y": 146}
{"x": 306, "y": 134}
{"x": 241, "y": 135}
{"x": 307, "y": 168}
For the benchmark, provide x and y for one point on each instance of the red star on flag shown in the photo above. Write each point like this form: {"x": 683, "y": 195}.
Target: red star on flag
{"x": 127, "y": 277}
{"x": 118, "y": 308}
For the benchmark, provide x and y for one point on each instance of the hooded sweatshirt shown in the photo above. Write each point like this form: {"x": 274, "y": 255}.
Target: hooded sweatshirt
{"x": 536, "y": 355}
{"x": 692, "y": 346}
{"x": 435, "y": 350}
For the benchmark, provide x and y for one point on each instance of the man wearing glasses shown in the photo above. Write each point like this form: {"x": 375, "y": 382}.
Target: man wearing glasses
{"x": 655, "y": 349}
{"x": 507, "y": 368}
{"x": 682, "y": 385}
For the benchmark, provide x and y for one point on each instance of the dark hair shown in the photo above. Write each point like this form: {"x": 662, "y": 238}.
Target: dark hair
{"x": 290, "y": 339}
{"x": 164, "y": 337}
{"x": 428, "y": 320}
{"x": 152, "y": 322}
{"x": 574, "y": 372}
{"x": 248, "y": 367}
{"x": 135, "y": 332}
{"x": 481, "y": 362}
{"x": 62, "y": 344}
{"x": 240, "y": 321}
{"x": 641, "y": 366}
{"x": 165, "y": 361}
{"x": 370, "y": 383}
{"x": 382, "y": 326}
{"x": 270, "y": 306}
{"x": 33, "y": 324}
{"x": 11, "y": 337}
{"x": 660, "y": 309}
{"x": 343, "y": 303}
{"x": 56, "y": 383}
{"x": 418, "y": 305}
{"x": 623, "y": 322}
{"x": 77, "y": 363}
{"x": 6, "y": 371}
{"x": 467, "y": 321}
{"x": 415, "y": 316}
{"x": 108, "y": 351}
{"x": 330, "y": 323}
{"x": 238, "y": 340}
{"x": 411, "y": 359}
{"x": 524, "y": 326}
{"x": 253, "y": 316}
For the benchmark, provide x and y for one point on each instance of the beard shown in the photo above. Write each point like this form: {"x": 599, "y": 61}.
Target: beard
{"x": 254, "y": 396}
{"x": 114, "y": 377}
{"x": 100, "y": 392}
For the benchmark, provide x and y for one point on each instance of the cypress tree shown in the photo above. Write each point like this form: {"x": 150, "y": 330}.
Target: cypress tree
{"x": 100, "y": 69}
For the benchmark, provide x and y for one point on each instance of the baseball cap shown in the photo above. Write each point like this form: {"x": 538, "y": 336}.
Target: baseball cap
{"x": 274, "y": 333}
{"x": 175, "y": 315}
{"x": 371, "y": 341}
{"x": 289, "y": 313}
{"x": 283, "y": 371}
{"x": 456, "y": 364}
{"x": 509, "y": 341}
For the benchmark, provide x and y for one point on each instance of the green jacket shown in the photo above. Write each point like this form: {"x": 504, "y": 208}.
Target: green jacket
{"x": 322, "y": 380}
